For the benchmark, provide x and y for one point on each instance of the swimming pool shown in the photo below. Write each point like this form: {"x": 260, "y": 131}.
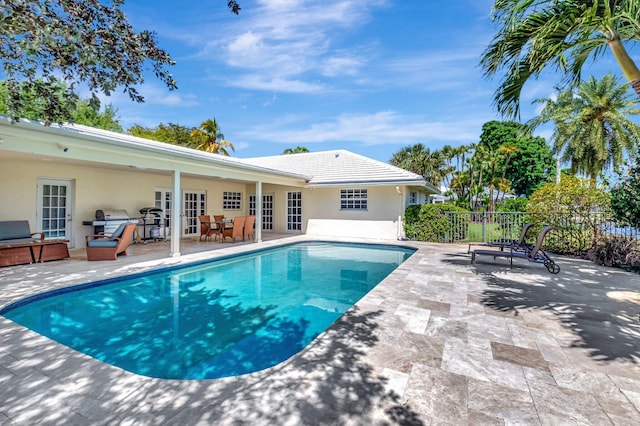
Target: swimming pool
{"x": 213, "y": 319}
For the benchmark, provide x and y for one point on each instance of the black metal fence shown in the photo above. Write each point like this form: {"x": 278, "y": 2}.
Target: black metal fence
{"x": 572, "y": 234}
{"x": 483, "y": 226}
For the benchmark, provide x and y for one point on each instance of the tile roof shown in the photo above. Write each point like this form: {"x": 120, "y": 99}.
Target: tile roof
{"x": 340, "y": 167}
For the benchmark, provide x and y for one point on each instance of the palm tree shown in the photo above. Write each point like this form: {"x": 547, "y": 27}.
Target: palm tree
{"x": 563, "y": 34}
{"x": 558, "y": 111}
{"x": 594, "y": 126}
{"x": 601, "y": 131}
{"x": 420, "y": 160}
{"x": 296, "y": 150}
{"x": 209, "y": 138}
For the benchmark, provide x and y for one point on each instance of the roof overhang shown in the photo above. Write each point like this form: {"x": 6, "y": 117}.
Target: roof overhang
{"x": 422, "y": 185}
{"x": 85, "y": 144}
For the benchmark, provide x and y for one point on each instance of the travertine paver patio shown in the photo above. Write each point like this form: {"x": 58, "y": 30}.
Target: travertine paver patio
{"x": 440, "y": 341}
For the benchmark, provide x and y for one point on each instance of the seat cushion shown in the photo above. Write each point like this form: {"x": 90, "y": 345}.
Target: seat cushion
{"x": 13, "y": 229}
{"x": 119, "y": 230}
{"x": 100, "y": 242}
{"x": 18, "y": 241}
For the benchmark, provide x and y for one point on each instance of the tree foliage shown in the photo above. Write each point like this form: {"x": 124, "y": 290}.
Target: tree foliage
{"x": 530, "y": 162}
{"x": 593, "y": 130}
{"x": 88, "y": 41}
{"x": 209, "y": 138}
{"x": 80, "y": 111}
{"x": 507, "y": 159}
{"x": 625, "y": 196}
{"x": 170, "y": 133}
{"x": 600, "y": 130}
{"x": 420, "y": 160}
{"x": 296, "y": 150}
{"x": 563, "y": 35}
{"x": 513, "y": 205}
{"x": 89, "y": 114}
{"x": 572, "y": 208}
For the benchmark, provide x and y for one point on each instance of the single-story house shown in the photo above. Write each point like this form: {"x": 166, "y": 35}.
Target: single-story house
{"x": 58, "y": 176}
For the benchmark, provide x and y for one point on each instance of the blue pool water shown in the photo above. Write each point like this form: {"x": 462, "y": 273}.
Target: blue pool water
{"x": 221, "y": 318}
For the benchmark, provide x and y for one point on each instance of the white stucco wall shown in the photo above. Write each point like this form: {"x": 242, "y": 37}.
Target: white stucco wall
{"x": 323, "y": 216}
{"x": 131, "y": 189}
{"x": 98, "y": 188}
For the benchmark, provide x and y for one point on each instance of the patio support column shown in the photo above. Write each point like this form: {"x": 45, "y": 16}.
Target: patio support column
{"x": 258, "y": 232}
{"x": 176, "y": 214}
{"x": 400, "y": 228}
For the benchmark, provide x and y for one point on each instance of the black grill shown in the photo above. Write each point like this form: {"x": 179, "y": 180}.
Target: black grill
{"x": 152, "y": 219}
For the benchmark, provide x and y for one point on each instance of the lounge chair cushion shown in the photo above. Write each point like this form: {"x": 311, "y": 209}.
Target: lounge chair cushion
{"x": 18, "y": 241}
{"x": 14, "y": 229}
{"x": 102, "y": 242}
{"x": 119, "y": 230}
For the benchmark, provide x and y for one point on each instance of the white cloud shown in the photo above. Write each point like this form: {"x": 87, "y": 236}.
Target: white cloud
{"x": 381, "y": 128}
{"x": 339, "y": 66}
{"x": 252, "y": 81}
{"x": 247, "y": 44}
{"x": 281, "y": 4}
{"x": 286, "y": 39}
{"x": 433, "y": 70}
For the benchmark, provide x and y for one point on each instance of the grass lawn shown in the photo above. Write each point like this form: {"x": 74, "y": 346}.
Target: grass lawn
{"x": 475, "y": 232}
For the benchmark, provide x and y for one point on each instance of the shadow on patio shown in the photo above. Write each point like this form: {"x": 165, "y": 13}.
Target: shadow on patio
{"x": 327, "y": 383}
{"x": 599, "y": 305}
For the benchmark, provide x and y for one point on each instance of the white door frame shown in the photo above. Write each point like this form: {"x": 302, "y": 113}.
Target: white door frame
{"x": 53, "y": 208}
{"x": 267, "y": 225}
{"x": 163, "y": 199}
{"x": 190, "y": 224}
{"x": 291, "y": 212}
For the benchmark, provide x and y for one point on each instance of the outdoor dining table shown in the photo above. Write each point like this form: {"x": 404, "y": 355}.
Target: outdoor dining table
{"x": 219, "y": 227}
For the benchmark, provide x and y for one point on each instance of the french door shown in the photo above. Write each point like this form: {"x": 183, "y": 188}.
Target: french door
{"x": 54, "y": 208}
{"x": 294, "y": 211}
{"x": 194, "y": 204}
{"x": 163, "y": 199}
{"x": 267, "y": 210}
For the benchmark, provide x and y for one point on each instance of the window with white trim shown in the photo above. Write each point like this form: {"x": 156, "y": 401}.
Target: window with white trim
{"x": 231, "y": 200}
{"x": 353, "y": 199}
{"x": 413, "y": 197}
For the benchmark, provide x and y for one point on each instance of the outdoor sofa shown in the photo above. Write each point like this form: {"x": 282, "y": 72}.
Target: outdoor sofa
{"x": 18, "y": 245}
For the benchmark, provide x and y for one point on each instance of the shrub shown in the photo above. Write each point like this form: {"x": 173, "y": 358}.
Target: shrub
{"x": 513, "y": 205}
{"x": 616, "y": 251}
{"x": 429, "y": 222}
{"x": 574, "y": 209}
{"x": 625, "y": 196}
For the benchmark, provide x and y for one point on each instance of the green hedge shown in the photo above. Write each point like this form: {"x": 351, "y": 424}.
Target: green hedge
{"x": 428, "y": 222}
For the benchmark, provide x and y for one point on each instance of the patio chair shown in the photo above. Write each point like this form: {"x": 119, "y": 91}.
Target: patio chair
{"x": 205, "y": 226}
{"x": 532, "y": 254}
{"x": 248, "y": 227}
{"x": 237, "y": 231}
{"x": 217, "y": 226}
{"x": 518, "y": 245}
{"x": 104, "y": 247}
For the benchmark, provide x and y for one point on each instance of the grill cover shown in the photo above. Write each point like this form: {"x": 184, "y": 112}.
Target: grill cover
{"x": 116, "y": 214}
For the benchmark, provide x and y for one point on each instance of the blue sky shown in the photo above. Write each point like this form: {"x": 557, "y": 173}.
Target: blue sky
{"x": 369, "y": 76}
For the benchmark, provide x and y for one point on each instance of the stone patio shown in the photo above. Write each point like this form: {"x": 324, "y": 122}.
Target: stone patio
{"x": 439, "y": 341}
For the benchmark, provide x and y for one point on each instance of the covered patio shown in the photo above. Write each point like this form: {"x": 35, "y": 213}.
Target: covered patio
{"x": 439, "y": 341}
